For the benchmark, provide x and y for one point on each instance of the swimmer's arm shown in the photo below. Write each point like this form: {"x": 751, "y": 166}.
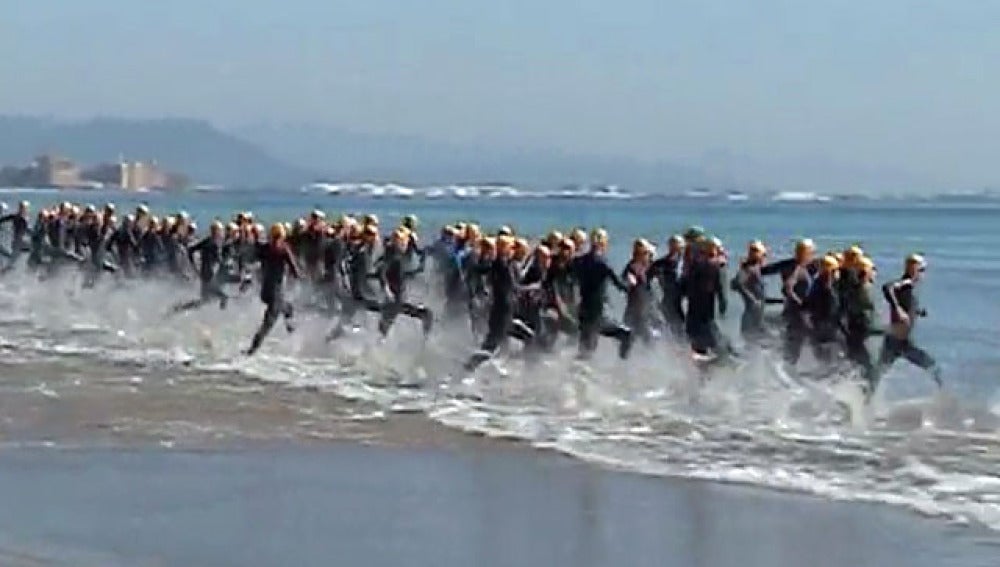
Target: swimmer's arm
{"x": 788, "y": 290}
{"x": 196, "y": 248}
{"x": 890, "y": 289}
{"x": 293, "y": 268}
{"x": 720, "y": 291}
{"x": 615, "y": 279}
{"x": 774, "y": 267}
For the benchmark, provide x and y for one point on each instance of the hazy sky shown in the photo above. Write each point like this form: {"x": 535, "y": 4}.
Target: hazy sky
{"x": 901, "y": 84}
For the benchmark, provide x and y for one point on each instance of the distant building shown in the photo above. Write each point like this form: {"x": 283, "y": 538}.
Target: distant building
{"x": 134, "y": 175}
{"x": 55, "y": 171}
{"x": 45, "y": 171}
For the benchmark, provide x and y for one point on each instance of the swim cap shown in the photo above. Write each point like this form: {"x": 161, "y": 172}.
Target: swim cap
{"x": 854, "y": 252}
{"x": 567, "y": 244}
{"x": 505, "y": 241}
{"x": 829, "y": 263}
{"x": 694, "y": 232}
{"x": 370, "y": 219}
{"x": 370, "y": 230}
{"x": 599, "y": 236}
{"x": 505, "y": 231}
{"x": 578, "y": 235}
{"x": 543, "y": 250}
{"x": 233, "y": 227}
{"x": 317, "y": 214}
{"x": 216, "y": 226}
{"x": 804, "y": 244}
{"x": 410, "y": 222}
{"x": 554, "y": 236}
{"x": 487, "y": 242}
{"x": 866, "y": 264}
{"x": 89, "y": 209}
{"x": 278, "y": 231}
{"x": 916, "y": 259}
{"x": 756, "y": 246}
{"x": 676, "y": 239}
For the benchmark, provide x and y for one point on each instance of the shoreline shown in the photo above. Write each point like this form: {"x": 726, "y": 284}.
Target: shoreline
{"x": 493, "y": 505}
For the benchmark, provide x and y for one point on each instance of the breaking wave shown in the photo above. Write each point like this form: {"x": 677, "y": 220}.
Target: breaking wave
{"x": 651, "y": 415}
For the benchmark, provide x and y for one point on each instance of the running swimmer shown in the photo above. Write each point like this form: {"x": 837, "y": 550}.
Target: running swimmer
{"x": 904, "y": 311}
{"x": 275, "y": 259}
{"x": 592, "y": 273}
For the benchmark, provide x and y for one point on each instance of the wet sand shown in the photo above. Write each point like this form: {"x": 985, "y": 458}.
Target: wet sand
{"x": 495, "y": 505}
{"x": 147, "y": 466}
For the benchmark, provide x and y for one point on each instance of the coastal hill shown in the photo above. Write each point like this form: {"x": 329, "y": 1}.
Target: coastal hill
{"x": 343, "y": 154}
{"x": 193, "y": 147}
{"x": 289, "y": 156}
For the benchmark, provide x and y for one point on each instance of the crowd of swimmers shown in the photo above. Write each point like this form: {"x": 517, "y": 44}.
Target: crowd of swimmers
{"x": 500, "y": 286}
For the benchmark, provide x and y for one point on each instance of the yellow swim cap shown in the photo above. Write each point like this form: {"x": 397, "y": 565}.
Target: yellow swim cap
{"x": 277, "y": 231}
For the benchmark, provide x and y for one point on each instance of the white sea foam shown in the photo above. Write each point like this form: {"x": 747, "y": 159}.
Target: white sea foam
{"x": 650, "y": 415}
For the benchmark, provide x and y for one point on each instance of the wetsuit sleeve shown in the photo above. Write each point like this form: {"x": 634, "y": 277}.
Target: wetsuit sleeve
{"x": 739, "y": 285}
{"x": 890, "y": 290}
{"x": 720, "y": 290}
{"x": 293, "y": 268}
{"x": 775, "y": 267}
{"x": 788, "y": 289}
{"x": 656, "y": 268}
{"x": 196, "y": 249}
{"x": 7, "y": 218}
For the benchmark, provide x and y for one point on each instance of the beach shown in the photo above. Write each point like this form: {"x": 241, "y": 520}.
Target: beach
{"x": 130, "y": 437}
{"x": 141, "y": 472}
{"x": 480, "y": 504}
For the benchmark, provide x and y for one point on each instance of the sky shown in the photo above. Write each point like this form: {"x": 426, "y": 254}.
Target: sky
{"x": 901, "y": 85}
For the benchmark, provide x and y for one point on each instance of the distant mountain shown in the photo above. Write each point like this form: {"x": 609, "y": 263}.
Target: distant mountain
{"x": 192, "y": 147}
{"x": 344, "y": 155}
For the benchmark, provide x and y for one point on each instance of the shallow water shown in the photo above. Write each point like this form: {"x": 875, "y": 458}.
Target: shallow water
{"x": 933, "y": 453}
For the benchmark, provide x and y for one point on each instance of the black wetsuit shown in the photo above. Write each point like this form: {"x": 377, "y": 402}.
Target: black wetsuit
{"x": 275, "y": 260}
{"x": 859, "y": 323}
{"x": 901, "y": 296}
{"x": 822, "y": 306}
{"x": 638, "y": 302}
{"x": 500, "y": 320}
{"x": 151, "y": 248}
{"x": 394, "y": 275}
{"x": 19, "y": 229}
{"x": 212, "y": 255}
{"x": 592, "y": 273}
{"x": 749, "y": 283}
{"x": 795, "y": 289}
{"x": 666, "y": 272}
{"x": 705, "y": 293}
{"x": 125, "y": 247}
{"x": 360, "y": 275}
{"x": 473, "y": 273}
{"x": 97, "y": 235}
{"x": 332, "y": 283}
